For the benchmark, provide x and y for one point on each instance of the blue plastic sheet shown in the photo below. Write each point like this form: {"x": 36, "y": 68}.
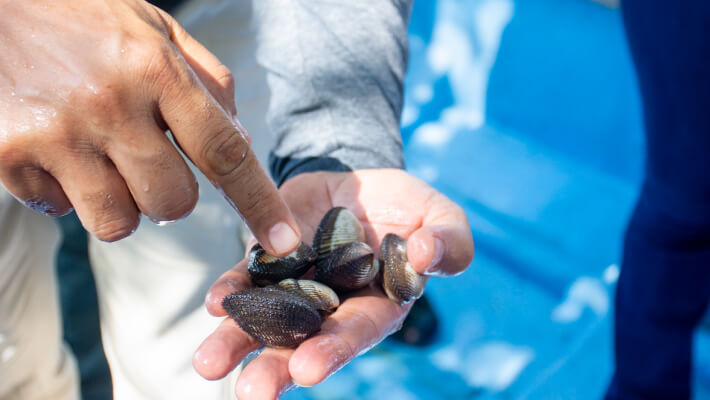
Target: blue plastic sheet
{"x": 526, "y": 113}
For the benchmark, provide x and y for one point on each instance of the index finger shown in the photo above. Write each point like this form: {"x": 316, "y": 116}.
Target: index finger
{"x": 219, "y": 147}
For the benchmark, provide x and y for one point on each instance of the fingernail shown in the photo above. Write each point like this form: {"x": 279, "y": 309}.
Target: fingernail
{"x": 282, "y": 237}
{"x": 438, "y": 254}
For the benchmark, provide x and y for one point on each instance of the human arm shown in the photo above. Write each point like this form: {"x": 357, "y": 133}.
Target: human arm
{"x": 336, "y": 96}
{"x": 335, "y": 73}
{"x": 87, "y": 90}
{"x": 385, "y": 201}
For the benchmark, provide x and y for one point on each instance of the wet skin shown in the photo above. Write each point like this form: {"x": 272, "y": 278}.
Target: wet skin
{"x": 385, "y": 201}
{"x": 87, "y": 91}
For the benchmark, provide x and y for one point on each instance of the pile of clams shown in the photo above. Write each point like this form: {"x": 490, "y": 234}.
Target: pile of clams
{"x": 283, "y": 311}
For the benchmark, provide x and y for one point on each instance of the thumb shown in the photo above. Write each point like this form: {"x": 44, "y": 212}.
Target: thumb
{"x": 440, "y": 250}
{"x": 443, "y": 245}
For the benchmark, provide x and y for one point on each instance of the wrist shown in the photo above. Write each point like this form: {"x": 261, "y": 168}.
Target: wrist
{"x": 285, "y": 168}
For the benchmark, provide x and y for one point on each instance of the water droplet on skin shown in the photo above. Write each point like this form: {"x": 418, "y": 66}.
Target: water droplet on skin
{"x": 22, "y": 100}
{"x": 146, "y": 188}
{"x": 162, "y": 222}
{"x": 123, "y": 51}
{"x": 12, "y": 94}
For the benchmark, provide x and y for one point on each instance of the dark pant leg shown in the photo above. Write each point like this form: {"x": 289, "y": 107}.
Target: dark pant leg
{"x": 664, "y": 285}
{"x": 661, "y": 295}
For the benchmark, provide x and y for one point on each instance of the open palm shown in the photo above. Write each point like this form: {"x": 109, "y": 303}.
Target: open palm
{"x": 385, "y": 201}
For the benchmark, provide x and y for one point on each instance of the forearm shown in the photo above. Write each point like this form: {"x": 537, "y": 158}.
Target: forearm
{"x": 335, "y": 72}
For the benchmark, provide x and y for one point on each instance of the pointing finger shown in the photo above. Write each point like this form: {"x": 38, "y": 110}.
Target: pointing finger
{"x": 220, "y": 149}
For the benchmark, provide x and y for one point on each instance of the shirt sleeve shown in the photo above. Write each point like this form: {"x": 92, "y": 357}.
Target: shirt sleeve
{"x": 335, "y": 73}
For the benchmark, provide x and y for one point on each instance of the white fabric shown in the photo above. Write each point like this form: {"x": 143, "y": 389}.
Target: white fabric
{"x": 34, "y": 365}
{"x": 151, "y": 286}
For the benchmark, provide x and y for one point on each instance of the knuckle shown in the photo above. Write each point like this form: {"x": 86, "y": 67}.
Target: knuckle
{"x": 114, "y": 228}
{"x": 108, "y": 220}
{"x": 225, "y": 152}
{"x": 16, "y": 152}
{"x": 226, "y": 79}
{"x": 155, "y": 61}
{"x": 6, "y": 153}
{"x": 175, "y": 206}
{"x": 15, "y": 135}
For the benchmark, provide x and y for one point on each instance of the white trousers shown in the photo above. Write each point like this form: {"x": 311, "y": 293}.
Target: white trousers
{"x": 150, "y": 286}
{"x": 34, "y": 364}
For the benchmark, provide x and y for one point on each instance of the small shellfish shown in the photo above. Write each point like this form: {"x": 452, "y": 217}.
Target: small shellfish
{"x": 338, "y": 227}
{"x": 286, "y": 313}
{"x": 349, "y": 267}
{"x": 274, "y": 317}
{"x": 265, "y": 269}
{"x": 401, "y": 282}
{"x": 321, "y": 296}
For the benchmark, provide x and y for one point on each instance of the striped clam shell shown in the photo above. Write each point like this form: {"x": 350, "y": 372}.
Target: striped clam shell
{"x": 265, "y": 269}
{"x": 321, "y": 296}
{"x": 274, "y": 317}
{"x": 349, "y": 267}
{"x": 338, "y": 227}
{"x": 401, "y": 282}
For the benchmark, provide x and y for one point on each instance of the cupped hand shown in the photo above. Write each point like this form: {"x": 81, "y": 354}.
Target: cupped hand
{"x": 385, "y": 201}
{"x": 87, "y": 91}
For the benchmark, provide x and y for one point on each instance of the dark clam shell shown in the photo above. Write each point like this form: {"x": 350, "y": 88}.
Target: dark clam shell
{"x": 273, "y": 316}
{"x": 400, "y": 281}
{"x": 338, "y": 227}
{"x": 321, "y": 296}
{"x": 265, "y": 269}
{"x": 349, "y": 267}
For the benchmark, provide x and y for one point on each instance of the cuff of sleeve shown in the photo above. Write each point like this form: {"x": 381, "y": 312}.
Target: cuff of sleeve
{"x": 284, "y": 168}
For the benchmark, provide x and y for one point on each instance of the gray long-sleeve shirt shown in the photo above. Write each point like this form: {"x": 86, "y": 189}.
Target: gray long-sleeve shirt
{"x": 335, "y": 70}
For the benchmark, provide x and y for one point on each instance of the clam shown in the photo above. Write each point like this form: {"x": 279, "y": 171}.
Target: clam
{"x": 287, "y": 311}
{"x": 265, "y": 269}
{"x": 338, "y": 227}
{"x": 274, "y": 317}
{"x": 401, "y": 282}
{"x": 349, "y": 267}
{"x": 321, "y": 296}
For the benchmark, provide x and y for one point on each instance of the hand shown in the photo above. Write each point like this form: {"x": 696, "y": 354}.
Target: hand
{"x": 87, "y": 91}
{"x": 439, "y": 243}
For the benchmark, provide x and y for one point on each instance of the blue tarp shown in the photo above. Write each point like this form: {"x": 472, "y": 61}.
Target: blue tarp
{"x": 527, "y": 114}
